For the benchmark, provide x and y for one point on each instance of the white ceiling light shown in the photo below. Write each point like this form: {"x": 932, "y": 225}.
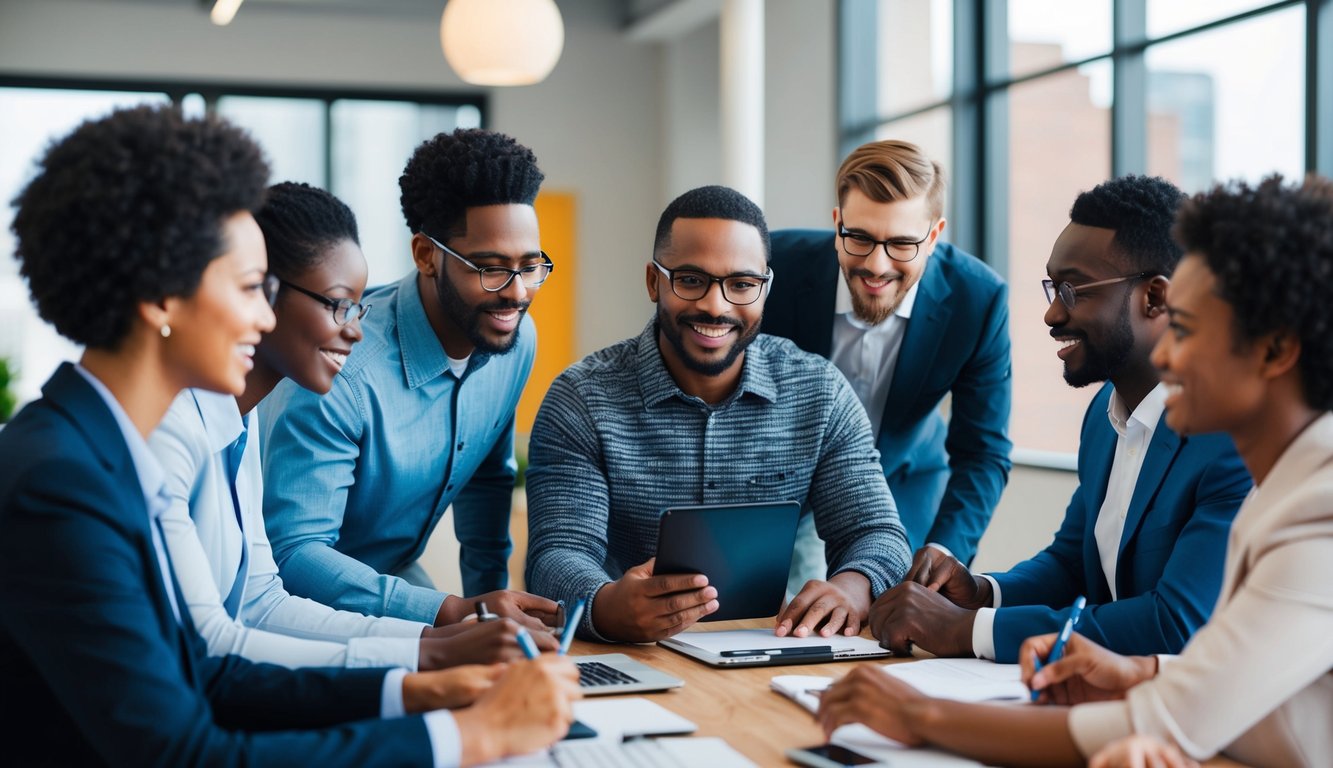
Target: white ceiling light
{"x": 224, "y": 11}
{"x": 502, "y": 42}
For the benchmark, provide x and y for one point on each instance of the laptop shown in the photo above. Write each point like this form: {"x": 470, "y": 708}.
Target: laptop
{"x": 745, "y": 551}
{"x": 608, "y": 673}
{"x": 759, "y": 648}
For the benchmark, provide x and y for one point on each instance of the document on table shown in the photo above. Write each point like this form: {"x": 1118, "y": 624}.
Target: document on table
{"x": 759, "y": 640}
{"x": 863, "y": 740}
{"x": 958, "y": 679}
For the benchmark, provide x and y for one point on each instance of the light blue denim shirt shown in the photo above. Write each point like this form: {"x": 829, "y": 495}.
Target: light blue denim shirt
{"x": 355, "y": 481}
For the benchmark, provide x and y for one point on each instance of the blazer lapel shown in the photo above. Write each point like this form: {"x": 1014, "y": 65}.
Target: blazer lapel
{"x": 1162, "y": 450}
{"x": 1096, "y": 457}
{"x": 921, "y": 343}
{"x": 814, "y": 307}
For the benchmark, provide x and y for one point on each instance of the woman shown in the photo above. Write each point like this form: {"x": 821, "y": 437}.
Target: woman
{"x": 215, "y": 526}
{"x": 137, "y": 241}
{"x": 1250, "y": 353}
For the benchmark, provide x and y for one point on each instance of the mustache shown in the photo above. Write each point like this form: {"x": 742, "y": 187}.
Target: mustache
{"x": 1060, "y": 331}
{"x": 862, "y": 272}
{"x": 503, "y": 304}
{"x": 702, "y": 319}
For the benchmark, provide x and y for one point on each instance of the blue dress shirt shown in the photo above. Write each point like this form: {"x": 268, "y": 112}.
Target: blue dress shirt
{"x": 356, "y": 481}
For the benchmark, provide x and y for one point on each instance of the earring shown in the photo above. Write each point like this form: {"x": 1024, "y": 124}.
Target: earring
{"x": 166, "y": 330}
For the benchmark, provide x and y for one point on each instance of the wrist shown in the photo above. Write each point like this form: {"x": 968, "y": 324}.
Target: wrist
{"x": 604, "y": 611}
{"x": 985, "y": 594}
{"x": 418, "y": 693}
{"x": 480, "y": 739}
{"x": 451, "y": 610}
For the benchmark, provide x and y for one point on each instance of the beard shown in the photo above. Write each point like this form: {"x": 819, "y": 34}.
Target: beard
{"x": 872, "y": 311}
{"x": 1102, "y": 361}
{"x": 467, "y": 318}
{"x": 671, "y": 329}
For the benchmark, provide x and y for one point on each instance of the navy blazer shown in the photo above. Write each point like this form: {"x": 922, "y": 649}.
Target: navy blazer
{"x": 945, "y": 479}
{"x": 1172, "y": 550}
{"x": 94, "y": 668}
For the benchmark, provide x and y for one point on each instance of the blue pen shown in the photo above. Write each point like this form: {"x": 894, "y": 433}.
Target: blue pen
{"x": 526, "y": 644}
{"x": 571, "y": 626}
{"x": 1058, "y": 649}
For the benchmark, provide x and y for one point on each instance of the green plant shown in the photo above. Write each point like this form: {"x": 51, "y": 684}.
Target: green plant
{"x": 7, "y": 397}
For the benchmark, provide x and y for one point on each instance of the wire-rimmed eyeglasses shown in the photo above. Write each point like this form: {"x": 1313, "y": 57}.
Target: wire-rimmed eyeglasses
{"x": 1068, "y": 292}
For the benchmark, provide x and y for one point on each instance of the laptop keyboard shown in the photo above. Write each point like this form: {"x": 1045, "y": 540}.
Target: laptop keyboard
{"x": 596, "y": 673}
{"x": 638, "y": 753}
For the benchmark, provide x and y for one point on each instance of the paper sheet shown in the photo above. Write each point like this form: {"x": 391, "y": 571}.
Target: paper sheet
{"x": 958, "y": 679}
{"x": 618, "y": 718}
{"x": 861, "y": 739}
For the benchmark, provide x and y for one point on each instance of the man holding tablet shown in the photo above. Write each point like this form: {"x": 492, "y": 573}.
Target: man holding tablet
{"x": 700, "y": 408}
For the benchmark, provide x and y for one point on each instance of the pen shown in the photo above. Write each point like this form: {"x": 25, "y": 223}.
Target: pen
{"x": 571, "y": 627}
{"x": 808, "y": 650}
{"x": 1058, "y": 649}
{"x": 526, "y": 644}
{"x": 484, "y": 614}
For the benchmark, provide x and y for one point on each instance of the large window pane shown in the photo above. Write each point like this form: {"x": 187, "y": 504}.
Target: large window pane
{"x": 914, "y": 54}
{"x": 1229, "y": 103}
{"x": 1048, "y": 33}
{"x": 932, "y": 131}
{"x": 371, "y": 143}
{"x": 1167, "y": 16}
{"x": 291, "y": 131}
{"x": 32, "y": 119}
{"x": 1060, "y": 145}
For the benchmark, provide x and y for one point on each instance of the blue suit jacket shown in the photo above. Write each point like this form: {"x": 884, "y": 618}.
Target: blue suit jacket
{"x": 95, "y": 668}
{"x": 945, "y": 479}
{"x": 1172, "y": 550}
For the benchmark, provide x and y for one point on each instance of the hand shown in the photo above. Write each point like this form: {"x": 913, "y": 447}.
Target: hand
{"x": 1140, "y": 752}
{"x": 448, "y": 689}
{"x": 910, "y": 614}
{"x": 871, "y": 696}
{"x": 641, "y": 608}
{"x": 531, "y": 611}
{"x": 529, "y": 708}
{"x": 481, "y": 642}
{"x": 1086, "y": 671}
{"x": 841, "y": 603}
{"x": 448, "y": 630}
{"x": 943, "y": 573}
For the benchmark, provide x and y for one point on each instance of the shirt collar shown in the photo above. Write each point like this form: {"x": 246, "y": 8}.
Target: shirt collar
{"x": 842, "y": 303}
{"x": 221, "y": 416}
{"x": 1147, "y": 414}
{"x": 152, "y": 478}
{"x": 424, "y": 359}
{"x": 656, "y": 383}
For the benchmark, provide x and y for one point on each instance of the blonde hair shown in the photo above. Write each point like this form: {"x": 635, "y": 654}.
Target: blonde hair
{"x": 892, "y": 170}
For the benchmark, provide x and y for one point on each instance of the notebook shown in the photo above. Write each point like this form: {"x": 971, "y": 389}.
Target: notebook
{"x": 760, "y": 648}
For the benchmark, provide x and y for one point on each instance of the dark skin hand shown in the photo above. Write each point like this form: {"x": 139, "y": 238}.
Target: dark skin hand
{"x": 840, "y": 604}
{"x": 642, "y": 608}
{"x": 533, "y": 612}
{"x": 910, "y": 614}
{"x": 485, "y": 642}
{"x": 941, "y": 572}
{"x": 868, "y": 695}
{"x": 1085, "y": 672}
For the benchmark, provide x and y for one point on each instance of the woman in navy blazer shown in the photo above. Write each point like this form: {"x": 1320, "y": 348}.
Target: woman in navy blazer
{"x": 137, "y": 241}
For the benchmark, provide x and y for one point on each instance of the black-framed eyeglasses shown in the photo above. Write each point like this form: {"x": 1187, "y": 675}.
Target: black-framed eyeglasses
{"x": 496, "y": 279}
{"x": 1068, "y": 292}
{"x": 692, "y": 285}
{"x": 270, "y": 287}
{"x": 344, "y": 310}
{"x": 896, "y": 248}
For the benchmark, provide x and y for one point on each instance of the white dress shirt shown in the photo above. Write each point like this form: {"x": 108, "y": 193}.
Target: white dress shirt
{"x": 1134, "y": 432}
{"x": 868, "y": 354}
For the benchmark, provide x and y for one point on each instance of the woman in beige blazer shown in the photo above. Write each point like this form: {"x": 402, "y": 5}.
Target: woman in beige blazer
{"x": 1249, "y": 352}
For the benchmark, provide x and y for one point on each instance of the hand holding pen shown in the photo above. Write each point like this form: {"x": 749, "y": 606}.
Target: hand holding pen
{"x": 1083, "y": 671}
{"x": 529, "y": 647}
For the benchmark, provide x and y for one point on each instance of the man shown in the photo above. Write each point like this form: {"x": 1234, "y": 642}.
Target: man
{"x": 421, "y": 415}
{"x": 701, "y": 408}
{"x": 1145, "y": 533}
{"x": 908, "y": 319}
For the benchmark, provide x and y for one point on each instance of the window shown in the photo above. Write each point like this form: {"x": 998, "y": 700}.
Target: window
{"x": 1042, "y": 99}
{"x": 353, "y": 144}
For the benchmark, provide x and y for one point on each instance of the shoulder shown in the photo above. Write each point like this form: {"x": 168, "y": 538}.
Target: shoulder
{"x": 801, "y": 250}
{"x": 965, "y": 272}
{"x": 607, "y": 368}
{"x": 795, "y": 370}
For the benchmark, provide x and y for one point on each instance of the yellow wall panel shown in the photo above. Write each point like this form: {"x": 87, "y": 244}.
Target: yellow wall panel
{"x": 553, "y": 306}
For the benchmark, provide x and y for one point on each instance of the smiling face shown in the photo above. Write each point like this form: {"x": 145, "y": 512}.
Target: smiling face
{"x": 707, "y": 336}
{"x": 878, "y": 283}
{"x": 214, "y": 332}
{"x": 307, "y": 346}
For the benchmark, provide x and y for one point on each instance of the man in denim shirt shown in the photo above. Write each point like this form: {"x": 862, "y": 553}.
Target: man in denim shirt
{"x": 421, "y": 415}
{"x": 701, "y": 408}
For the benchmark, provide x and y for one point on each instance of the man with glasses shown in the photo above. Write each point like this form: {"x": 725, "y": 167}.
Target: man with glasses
{"x": 421, "y": 416}
{"x": 1145, "y": 534}
{"x": 908, "y": 319}
{"x": 701, "y": 408}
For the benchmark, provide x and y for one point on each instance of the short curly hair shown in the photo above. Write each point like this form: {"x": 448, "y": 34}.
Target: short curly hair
{"x": 1140, "y": 209}
{"x": 127, "y": 209}
{"x": 300, "y": 223}
{"x": 1270, "y": 247}
{"x": 465, "y": 169}
{"x": 712, "y": 202}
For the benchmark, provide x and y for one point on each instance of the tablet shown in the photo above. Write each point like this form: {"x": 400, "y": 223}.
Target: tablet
{"x": 744, "y": 549}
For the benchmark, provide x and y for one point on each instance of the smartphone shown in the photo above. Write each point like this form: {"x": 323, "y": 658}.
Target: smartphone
{"x": 828, "y": 756}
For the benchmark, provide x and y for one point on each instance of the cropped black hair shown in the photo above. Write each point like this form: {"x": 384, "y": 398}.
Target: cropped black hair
{"x": 465, "y": 169}
{"x": 127, "y": 209}
{"x": 300, "y": 222}
{"x": 712, "y": 202}
{"x": 1270, "y": 247}
{"x": 1140, "y": 209}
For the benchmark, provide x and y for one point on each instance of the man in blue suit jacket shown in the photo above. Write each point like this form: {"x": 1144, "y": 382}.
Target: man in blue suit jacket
{"x": 1145, "y": 534}
{"x": 907, "y": 319}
